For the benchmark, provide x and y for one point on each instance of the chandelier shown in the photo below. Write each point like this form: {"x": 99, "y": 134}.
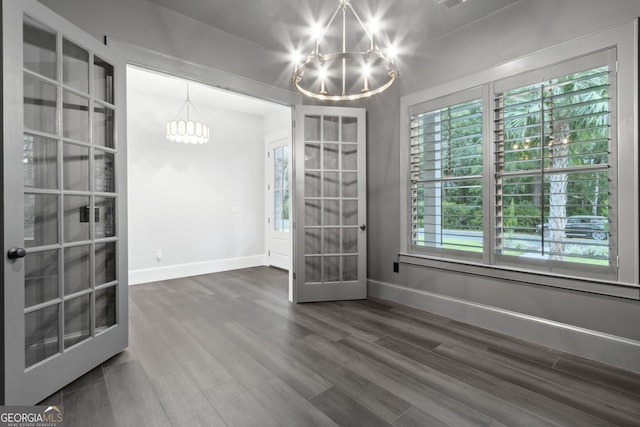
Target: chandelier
{"x": 187, "y": 131}
{"x": 356, "y": 69}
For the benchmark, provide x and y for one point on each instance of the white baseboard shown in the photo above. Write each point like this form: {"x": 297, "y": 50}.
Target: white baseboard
{"x": 194, "y": 269}
{"x": 610, "y": 349}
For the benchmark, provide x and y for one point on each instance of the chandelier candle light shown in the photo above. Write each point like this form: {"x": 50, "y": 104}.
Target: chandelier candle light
{"x": 187, "y": 131}
{"x": 360, "y": 71}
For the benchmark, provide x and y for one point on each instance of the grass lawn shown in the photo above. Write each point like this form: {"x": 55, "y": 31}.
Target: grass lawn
{"x": 475, "y": 246}
{"x": 462, "y": 244}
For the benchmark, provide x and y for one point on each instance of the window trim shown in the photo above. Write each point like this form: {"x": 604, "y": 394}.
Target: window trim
{"x": 624, "y": 37}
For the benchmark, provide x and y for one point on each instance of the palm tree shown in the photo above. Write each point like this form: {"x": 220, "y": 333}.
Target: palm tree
{"x": 558, "y": 130}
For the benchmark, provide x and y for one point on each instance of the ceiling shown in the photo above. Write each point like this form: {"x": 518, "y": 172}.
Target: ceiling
{"x": 281, "y": 25}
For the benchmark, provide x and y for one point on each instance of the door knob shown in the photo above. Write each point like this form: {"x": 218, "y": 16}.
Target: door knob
{"x": 363, "y": 227}
{"x": 15, "y": 253}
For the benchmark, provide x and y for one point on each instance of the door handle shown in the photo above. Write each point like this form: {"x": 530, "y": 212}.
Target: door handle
{"x": 15, "y": 253}
{"x": 363, "y": 227}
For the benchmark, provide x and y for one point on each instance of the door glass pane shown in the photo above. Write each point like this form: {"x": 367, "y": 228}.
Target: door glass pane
{"x": 40, "y": 160}
{"x": 312, "y": 156}
{"x": 313, "y": 271}
{"x": 75, "y": 66}
{"x": 312, "y": 241}
{"x": 349, "y": 184}
{"x": 330, "y": 159}
{"x": 39, "y": 49}
{"x": 40, "y": 277}
{"x": 331, "y": 212}
{"x": 331, "y": 241}
{"x": 331, "y": 128}
{"x": 312, "y": 128}
{"x": 285, "y": 211}
{"x": 105, "y": 263}
{"x": 77, "y": 320}
{"x": 76, "y": 218}
{"x": 278, "y": 200}
{"x": 105, "y": 217}
{"x": 77, "y": 269}
{"x": 280, "y": 185}
{"x": 103, "y": 126}
{"x": 40, "y": 105}
{"x": 103, "y": 80}
{"x": 331, "y": 269}
{"x": 349, "y": 240}
{"x": 312, "y": 184}
{"x": 349, "y": 129}
{"x": 312, "y": 212}
{"x": 40, "y": 334}
{"x": 349, "y": 212}
{"x": 349, "y": 157}
{"x": 75, "y": 117}
{"x": 331, "y": 184}
{"x": 105, "y": 176}
{"x": 278, "y": 167}
{"x": 105, "y": 308}
{"x": 40, "y": 220}
{"x": 350, "y": 267}
{"x": 76, "y": 167}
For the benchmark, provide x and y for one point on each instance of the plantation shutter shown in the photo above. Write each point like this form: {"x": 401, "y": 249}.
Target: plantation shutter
{"x": 552, "y": 157}
{"x": 446, "y": 175}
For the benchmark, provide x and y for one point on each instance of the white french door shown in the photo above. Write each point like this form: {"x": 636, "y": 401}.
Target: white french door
{"x": 278, "y": 220}
{"x": 330, "y": 197}
{"x": 64, "y": 213}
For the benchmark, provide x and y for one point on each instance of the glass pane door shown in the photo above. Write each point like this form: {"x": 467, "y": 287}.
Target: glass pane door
{"x": 330, "y": 189}
{"x": 278, "y": 207}
{"x": 66, "y": 214}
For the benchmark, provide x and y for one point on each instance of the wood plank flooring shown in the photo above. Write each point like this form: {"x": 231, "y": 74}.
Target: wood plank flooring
{"x": 227, "y": 349}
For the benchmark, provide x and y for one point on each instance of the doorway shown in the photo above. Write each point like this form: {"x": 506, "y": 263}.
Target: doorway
{"x": 197, "y": 208}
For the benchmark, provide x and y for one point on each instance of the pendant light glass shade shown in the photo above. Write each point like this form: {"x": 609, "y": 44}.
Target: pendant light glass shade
{"x": 187, "y": 131}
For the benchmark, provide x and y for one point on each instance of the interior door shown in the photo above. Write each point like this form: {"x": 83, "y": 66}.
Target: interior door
{"x": 330, "y": 193}
{"x": 278, "y": 234}
{"x": 64, "y": 269}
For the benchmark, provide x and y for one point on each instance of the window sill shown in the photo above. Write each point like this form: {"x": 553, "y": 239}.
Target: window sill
{"x": 602, "y": 287}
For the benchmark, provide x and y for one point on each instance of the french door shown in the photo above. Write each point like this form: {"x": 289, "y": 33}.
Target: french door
{"x": 330, "y": 191}
{"x": 64, "y": 269}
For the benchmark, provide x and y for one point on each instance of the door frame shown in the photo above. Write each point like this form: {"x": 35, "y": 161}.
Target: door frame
{"x": 46, "y": 377}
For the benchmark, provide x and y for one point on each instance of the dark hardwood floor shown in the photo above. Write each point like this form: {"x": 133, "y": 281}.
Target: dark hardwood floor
{"x": 228, "y": 349}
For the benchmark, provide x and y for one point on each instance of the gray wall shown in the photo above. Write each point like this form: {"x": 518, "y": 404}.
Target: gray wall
{"x": 519, "y": 29}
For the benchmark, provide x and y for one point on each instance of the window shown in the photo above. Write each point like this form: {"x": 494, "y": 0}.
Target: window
{"x": 530, "y": 181}
{"x": 281, "y": 189}
{"x": 446, "y": 176}
{"x": 552, "y": 167}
